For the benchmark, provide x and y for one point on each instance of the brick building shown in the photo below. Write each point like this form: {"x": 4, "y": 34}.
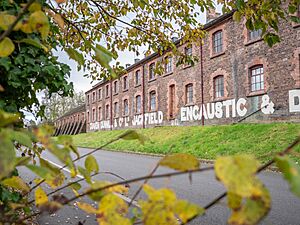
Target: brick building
{"x": 243, "y": 80}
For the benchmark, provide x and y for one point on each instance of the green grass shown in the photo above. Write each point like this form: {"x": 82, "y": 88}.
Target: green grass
{"x": 206, "y": 142}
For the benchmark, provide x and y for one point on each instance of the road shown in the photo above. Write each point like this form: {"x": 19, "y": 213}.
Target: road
{"x": 204, "y": 187}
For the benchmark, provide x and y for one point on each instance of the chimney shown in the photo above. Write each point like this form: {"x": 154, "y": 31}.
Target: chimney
{"x": 127, "y": 65}
{"x": 211, "y": 15}
{"x": 136, "y": 60}
{"x": 174, "y": 39}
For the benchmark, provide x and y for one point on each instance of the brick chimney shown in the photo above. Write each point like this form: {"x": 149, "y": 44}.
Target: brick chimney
{"x": 211, "y": 15}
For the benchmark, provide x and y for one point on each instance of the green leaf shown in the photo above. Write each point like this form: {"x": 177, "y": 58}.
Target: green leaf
{"x": 133, "y": 135}
{"x": 6, "y": 20}
{"x": 21, "y": 137}
{"x": 180, "y": 161}
{"x": 85, "y": 174}
{"x": 76, "y": 186}
{"x": 6, "y": 47}
{"x": 7, "y": 154}
{"x": 234, "y": 201}
{"x": 16, "y": 183}
{"x": 8, "y": 118}
{"x": 290, "y": 171}
{"x": 75, "y": 55}
{"x": 41, "y": 171}
{"x": 22, "y": 161}
{"x": 237, "y": 173}
{"x": 34, "y": 43}
{"x": 91, "y": 164}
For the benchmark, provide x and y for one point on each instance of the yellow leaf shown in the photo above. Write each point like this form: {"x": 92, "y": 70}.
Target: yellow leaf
{"x": 6, "y": 20}
{"x": 39, "y": 21}
{"x": 237, "y": 173}
{"x": 6, "y": 47}
{"x": 186, "y": 210}
{"x": 17, "y": 183}
{"x": 35, "y": 7}
{"x": 91, "y": 164}
{"x": 87, "y": 208}
{"x": 26, "y": 27}
{"x": 40, "y": 197}
{"x": 112, "y": 211}
{"x": 180, "y": 161}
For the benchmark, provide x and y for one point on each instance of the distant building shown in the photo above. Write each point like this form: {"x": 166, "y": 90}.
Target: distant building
{"x": 243, "y": 79}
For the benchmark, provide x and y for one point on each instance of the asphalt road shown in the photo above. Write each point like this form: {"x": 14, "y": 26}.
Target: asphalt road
{"x": 204, "y": 187}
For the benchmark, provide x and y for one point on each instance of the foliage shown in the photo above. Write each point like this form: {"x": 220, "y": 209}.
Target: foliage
{"x": 27, "y": 65}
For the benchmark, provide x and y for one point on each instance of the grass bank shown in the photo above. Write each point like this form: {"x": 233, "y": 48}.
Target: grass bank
{"x": 206, "y": 142}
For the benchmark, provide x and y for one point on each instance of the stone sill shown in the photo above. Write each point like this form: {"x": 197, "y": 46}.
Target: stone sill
{"x": 149, "y": 81}
{"x": 253, "y": 41}
{"x": 215, "y": 55}
{"x": 256, "y": 93}
{"x": 168, "y": 74}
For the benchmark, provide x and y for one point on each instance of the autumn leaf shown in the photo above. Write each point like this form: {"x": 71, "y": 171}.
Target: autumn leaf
{"x": 6, "y": 47}
{"x": 17, "y": 183}
{"x": 40, "y": 197}
{"x": 91, "y": 164}
{"x": 180, "y": 161}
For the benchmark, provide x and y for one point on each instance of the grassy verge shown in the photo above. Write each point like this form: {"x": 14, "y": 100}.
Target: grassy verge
{"x": 209, "y": 142}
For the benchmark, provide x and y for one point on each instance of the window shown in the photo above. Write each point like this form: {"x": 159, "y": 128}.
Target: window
{"x": 189, "y": 93}
{"x": 219, "y": 86}
{"x": 116, "y": 87}
{"x": 94, "y": 115}
{"x": 254, "y": 34}
{"x": 94, "y": 96}
{"x": 125, "y": 83}
{"x": 99, "y": 114}
{"x": 217, "y": 42}
{"x": 88, "y": 117}
{"x": 116, "y": 109}
{"x": 171, "y": 100}
{"x": 151, "y": 71}
{"x": 126, "y": 111}
{"x": 88, "y": 99}
{"x": 188, "y": 50}
{"x": 168, "y": 64}
{"x": 107, "y": 112}
{"x": 138, "y": 104}
{"x": 100, "y": 94}
{"x": 152, "y": 101}
{"x": 257, "y": 78}
{"x": 107, "y": 91}
{"x": 137, "y": 77}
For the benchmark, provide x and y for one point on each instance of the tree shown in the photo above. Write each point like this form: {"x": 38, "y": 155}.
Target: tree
{"x": 56, "y": 106}
{"x": 84, "y": 25}
{"x": 31, "y": 67}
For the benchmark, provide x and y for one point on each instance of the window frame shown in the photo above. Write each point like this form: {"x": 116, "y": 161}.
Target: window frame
{"x": 100, "y": 94}
{"x": 126, "y": 106}
{"x": 152, "y": 101}
{"x": 261, "y": 80}
{"x": 107, "y": 91}
{"x": 138, "y": 104}
{"x": 137, "y": 76}
{"x": 151, "y": 72}
{"x": 219, "y": 88}
{"x": 254, "y": 34}
{"x": 169, "y": 65}
{"x": 99, "y": 113}
{"x": 107, "y": 112}
{"x": 116, "y": 109}
{"x": 116, "y": 89}
{"x": 217, "y": 42}
{"x": 189, "y": 94}
{"x": 125, "y": 83}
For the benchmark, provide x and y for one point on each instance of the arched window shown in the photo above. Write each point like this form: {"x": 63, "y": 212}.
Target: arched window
{"x": 99, "y": 113}
{"x": 100, "y": 94}
{"x": 219, "y": 86}
{"x": 137, "y": 77}
{"x": 257, "y": 78}
{"x": 189, "y": 94}
{"x": 126, "y": 108}
{"x": 125, "y": 83}
{"x": 106, "y": 91}
{"x": 168, "y": 64}
{"x": 151, "y": 71}
{"x": 152, "y": 101}
{"x": 138, "y": 104}
{"x": 107, "y": 114}
{"x": 116, "y": 87}
{"x": 116, "y": 109}
{"x": 218, "y": 42}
